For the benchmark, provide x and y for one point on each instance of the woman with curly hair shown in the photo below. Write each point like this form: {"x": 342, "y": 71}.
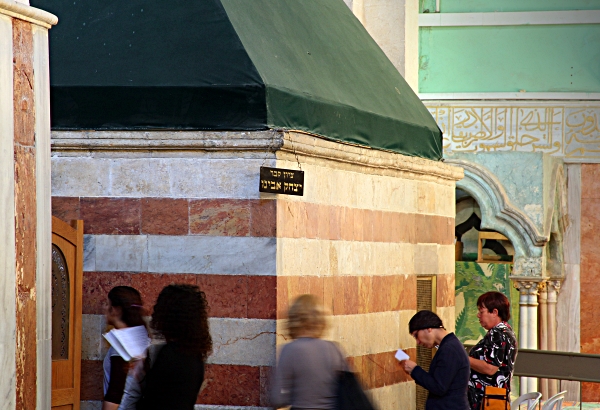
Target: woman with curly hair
{"x": 175, "y": 371}
{"x": 124, "y": 310}
{"x": 306, "y": 375}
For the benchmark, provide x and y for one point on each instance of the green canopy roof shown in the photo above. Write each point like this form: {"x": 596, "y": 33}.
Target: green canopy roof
{"x": 304, "y": 65}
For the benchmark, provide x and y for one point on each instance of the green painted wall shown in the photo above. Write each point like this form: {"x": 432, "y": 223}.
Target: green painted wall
{"x": 540, "y": 58}
{"x": 472, "y": 6}
{"x": 472, "y": 280}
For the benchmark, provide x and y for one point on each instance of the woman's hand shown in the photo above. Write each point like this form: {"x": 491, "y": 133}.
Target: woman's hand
{"x": 408, "y": 365}
{"x": 482, "y": 367}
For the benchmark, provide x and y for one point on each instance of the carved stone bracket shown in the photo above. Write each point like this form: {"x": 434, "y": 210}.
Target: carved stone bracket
{"x": 528, "y": 267}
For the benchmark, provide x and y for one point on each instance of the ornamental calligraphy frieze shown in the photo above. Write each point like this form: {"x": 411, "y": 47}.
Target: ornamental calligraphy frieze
{"x": 569, "y": 130}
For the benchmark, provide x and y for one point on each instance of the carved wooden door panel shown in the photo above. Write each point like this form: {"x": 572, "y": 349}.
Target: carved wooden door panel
{"x": 67, "y": 277}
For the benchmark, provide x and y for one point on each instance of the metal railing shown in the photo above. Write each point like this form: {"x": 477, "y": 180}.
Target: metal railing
{"x": 570, "y": 366}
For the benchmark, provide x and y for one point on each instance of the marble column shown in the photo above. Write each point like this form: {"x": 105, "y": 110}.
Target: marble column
{"x": 25, "y": 238}
{"x": 528, "y": 322}
{"x": 553, "y": 288}
{"x": 543, "y": 330}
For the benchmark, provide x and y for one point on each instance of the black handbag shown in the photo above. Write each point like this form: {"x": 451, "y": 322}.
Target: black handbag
{"x": 350, "y": 394}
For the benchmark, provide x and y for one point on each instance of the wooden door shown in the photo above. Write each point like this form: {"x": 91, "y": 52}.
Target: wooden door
{"x": 67, "y": 277}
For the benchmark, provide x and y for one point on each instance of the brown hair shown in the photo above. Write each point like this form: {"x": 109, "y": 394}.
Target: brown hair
{"x": 495, "y": 300}
{"x": 306, "y": 317}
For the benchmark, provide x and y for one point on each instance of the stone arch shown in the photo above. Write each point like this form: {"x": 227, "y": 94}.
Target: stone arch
{"x": 498, "y": 213}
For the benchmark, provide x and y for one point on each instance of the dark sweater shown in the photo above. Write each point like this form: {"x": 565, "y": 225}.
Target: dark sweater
{"x": 173, "y": 382}
{"x": 447, "y": 378}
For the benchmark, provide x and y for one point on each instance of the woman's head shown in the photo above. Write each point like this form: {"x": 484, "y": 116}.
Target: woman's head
{"x": 493, "y": 308}
{"x": 126, "y": 306}
{"x": 306, "y": 317}
{"x": 181, "y": 315}
{"x": 427, "y": 328}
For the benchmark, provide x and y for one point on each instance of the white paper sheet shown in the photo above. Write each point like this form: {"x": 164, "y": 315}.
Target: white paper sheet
{"x": 401, "y": 355}
{"x": 130, "y": 343}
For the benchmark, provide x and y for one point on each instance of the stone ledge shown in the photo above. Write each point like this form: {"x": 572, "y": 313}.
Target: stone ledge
{"x": 296, "y": 143}
{"x": 31, "y": 14}
{"x": 166, "y": 140}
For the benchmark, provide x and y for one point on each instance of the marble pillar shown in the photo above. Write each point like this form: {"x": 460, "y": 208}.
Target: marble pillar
{"x": 528, "y": 323}
{"x": 25, "y": 239}
{"x": 552, "y": 288}
{"x": 543, "y": 330}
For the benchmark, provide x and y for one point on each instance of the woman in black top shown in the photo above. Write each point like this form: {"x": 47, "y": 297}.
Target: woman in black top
{"x": 493, "y": 357}
{"x": 448, "y": 373}
{"x": 174, "y": 375}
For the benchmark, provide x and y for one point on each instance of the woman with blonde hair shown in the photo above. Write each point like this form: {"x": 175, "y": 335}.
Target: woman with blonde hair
{"x": 307, "y": 372}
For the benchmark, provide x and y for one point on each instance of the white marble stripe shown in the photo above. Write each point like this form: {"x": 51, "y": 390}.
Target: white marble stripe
{"x": 325, "y": 184}
{"x": 7, "y": 221}
{"x": 181, "y": 254}
{"x": 397, "y": 396}
{"x": 548, "y": 96}
{"x": 366, "y": 333}
{"x": 156, "y": 177}
{"x": 211, "y": 177}
{"x": 510, "y": 18}
{"x": 247, "y": 342}
{"x": 44, "y": 217}
{"x": 319, "y": 257}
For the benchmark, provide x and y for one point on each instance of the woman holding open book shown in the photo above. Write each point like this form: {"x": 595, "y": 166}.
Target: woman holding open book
{"x": 124, "y": 310}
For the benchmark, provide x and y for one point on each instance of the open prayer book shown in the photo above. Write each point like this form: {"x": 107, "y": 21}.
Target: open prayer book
{"x": 130, "y": 342}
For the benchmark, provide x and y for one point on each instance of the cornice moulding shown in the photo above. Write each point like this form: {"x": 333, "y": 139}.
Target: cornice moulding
{"x": 297, "y": 143}
{"x": 27, "y": 13}
{"x": 285, "y": 143}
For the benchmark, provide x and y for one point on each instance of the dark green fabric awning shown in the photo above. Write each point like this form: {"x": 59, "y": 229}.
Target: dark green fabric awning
{"x": 304, "y": 65}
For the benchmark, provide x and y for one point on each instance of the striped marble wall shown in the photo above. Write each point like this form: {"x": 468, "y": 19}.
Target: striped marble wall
{"x": 358, "y": 239}
{"x": 368, "y": 224}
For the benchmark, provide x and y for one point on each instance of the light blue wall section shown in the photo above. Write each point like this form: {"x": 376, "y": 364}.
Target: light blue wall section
{"x": 472, "y": 6}
{"x": 522, "y": 176}
{"x": 562, "y": 58}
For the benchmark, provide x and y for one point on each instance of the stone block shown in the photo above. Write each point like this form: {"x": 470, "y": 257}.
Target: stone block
{"x": 262, "y": 297}
{"x": 80, "y": 177}
{"x": 65, "y": 208}
{"x": 110, "y": 216}
{"x": 93, "y": 346}
{"x": 96, "y": 286}
{"x": 230, "y": 385}
{"x": 227, "y": 295}
{"x": 164, "y": 216}
{"x": 220, "y": 217}
{"x": 211, "y": 254}
{"x": 121, "y": 253}
{"x": 426, "y": 259}
{"x": 263, "y": 218}
{"x": 151, "y": 284}
{"x": 89, "y": 253}
{"x": 243, "y": 341}
{"x": 144, "y": 177}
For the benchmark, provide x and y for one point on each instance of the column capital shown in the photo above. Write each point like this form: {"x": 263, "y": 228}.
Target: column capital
{"x": 555, "y": 284}
{"x": 528, "y": 286}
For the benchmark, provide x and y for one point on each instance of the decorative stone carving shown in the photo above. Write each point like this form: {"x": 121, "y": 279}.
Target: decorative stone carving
{"x": 528, "y": 287}
{"x": 528, "y": 267}
{"x": 566, "y": 129}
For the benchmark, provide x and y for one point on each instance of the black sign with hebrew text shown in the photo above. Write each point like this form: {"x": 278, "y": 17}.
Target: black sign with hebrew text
{"x": 281, "y": 181}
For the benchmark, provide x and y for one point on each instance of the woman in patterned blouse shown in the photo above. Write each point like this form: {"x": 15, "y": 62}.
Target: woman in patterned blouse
{"x": 492, "y": 359}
